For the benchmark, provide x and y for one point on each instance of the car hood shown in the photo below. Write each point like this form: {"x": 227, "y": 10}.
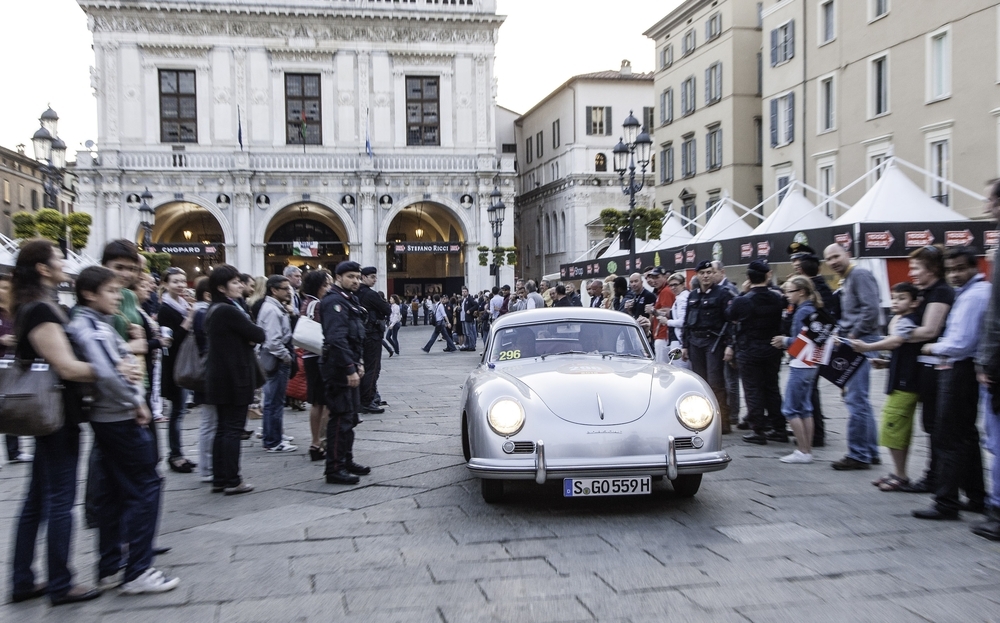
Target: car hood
{"x": 576, "y": 388}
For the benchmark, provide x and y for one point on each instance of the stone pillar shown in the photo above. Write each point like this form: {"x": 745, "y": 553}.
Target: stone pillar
{"x": 366, "y": 204}
{"x": 242, "y": 226}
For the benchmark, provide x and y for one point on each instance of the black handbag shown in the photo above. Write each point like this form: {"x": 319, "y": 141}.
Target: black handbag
{"x": 31, "y": 396}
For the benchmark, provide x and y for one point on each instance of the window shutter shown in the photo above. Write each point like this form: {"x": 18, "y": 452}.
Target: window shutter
{"x": 708, "y": 151}
{"x": 670, "y": 164}
{"x": 708, "y": 86}
{"x": 718, "y": 148}
{"x": 684, "y": 97}
{"x": 708, "y": 30}
{"x": 718, "y": 81}
{"x": 663, "y": 107}
{"x": 694, "y": 157}
{"x": 670, "y": 105}
{"x": 774, "y": 122}
{"x": 774, "y": 47}
{"x": 791, "y": 39}
{"x": 607, "y": 120}
{"x": 590, "y": 123}
{"x": 684, "y": 159}
{"x": 691, "y": 93}
{"x": 791, "y": 117}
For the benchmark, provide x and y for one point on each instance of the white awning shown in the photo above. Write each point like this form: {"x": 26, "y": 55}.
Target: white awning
{"x": 725, "y": 224}
{"x": 794, "y": 213}
{"x": 894, "y": 198}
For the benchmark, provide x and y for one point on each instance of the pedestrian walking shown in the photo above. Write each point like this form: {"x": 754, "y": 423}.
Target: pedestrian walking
{"x": 177, "y": 314}
{"x": 442, "y": 327}
{"x": 40, "y": 330}
{"x": 469, "y": 312}
{"x": 342, "y": 368}
{"x": 395, "y": 320}
{"x": 231, "y": 375}
{"x": 988, "y": 374}
{"x": 209, "y": 419}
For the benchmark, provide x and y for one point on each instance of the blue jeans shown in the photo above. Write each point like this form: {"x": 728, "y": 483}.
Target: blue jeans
{"x": 50, "y": 499}
{"x": 862, "y": 432}
{"x": 992, "y": 443}
{"x": 274, "y": 404}
{"x": 440, "y": 328}
{"x": 128, "y": 511}
{"x": 178, "y": 401}
{"x": 798, "y": 393}
{"x": 469, "y": 330}
{"x": 392, "y": 334}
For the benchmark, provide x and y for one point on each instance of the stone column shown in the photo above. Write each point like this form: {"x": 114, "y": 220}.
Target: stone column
{"x": 242, "y": 227}
{"x": 366, "y": 203}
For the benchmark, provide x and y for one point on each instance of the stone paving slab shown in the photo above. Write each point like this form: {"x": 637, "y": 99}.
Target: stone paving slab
{"x": 414, "y": 542}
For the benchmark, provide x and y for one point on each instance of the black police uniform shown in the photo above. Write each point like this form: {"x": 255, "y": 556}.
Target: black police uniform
{"x": 704, "y": 322}
{"x": 343, "y": 321}
{"x": 756, "y": 318}
{"x": 378, "y": 312}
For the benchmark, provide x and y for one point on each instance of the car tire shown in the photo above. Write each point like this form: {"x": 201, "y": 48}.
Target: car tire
{"x": 466, "y": 449}
{"x": 686, "y": 486}
{"x": 492, "y": 490}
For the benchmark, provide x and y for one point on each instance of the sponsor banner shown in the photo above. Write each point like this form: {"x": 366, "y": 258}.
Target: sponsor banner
{"x": 426, "y": 247}
{"x": 305, "y": 248}
{"x": 901, "y": 239}
{"x": 185, "y": 249}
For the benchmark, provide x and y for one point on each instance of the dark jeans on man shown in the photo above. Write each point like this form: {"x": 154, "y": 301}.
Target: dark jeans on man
{"x": 50, "y": 497}
{"x": 373, "y": 365}
{"x": 344, "y": 404}
{"x": 731, "y": 371}
{"x": 129, "y": 508}
{"x": 227, "y": 445}
{"x": 273, "y": 417}
{"x": 960, "y": 461}
{"x": 178, "y": 400}
{"x": 441, "y": 329}
{"x": 709, "y": 366}
{"x": 930, "y": 414}
{"x": 760, "y": 385}
{"x": 13, "y": 447}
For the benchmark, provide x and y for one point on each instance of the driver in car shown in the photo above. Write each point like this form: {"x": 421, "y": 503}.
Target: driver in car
{"x": 524, "y": 341}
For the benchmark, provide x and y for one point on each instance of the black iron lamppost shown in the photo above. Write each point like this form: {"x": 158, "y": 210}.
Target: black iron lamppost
{"x": 496, "y": 213}
{"x": 147, "y": 217}
{"x": 632, "y": 150}
{"x": 50, "y": 151}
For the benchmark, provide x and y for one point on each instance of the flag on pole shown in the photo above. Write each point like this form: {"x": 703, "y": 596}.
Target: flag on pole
{"x": 239, "y": 127}
{"x": 302, "y": 129}
{"x": 368, "y": 140}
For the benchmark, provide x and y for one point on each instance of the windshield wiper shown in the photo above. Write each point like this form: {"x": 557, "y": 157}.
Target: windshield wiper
{"x": 565, "y": 352}
{"x": 626, "y": 355}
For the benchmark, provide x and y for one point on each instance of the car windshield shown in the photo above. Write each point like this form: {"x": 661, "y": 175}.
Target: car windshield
{"x": 563, "y": 337}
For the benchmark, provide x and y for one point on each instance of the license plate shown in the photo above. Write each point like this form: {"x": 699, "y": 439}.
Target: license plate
{"x": 588, "y": 487}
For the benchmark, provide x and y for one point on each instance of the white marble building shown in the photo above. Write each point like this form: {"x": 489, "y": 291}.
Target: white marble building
{"x": 181, "y": 83}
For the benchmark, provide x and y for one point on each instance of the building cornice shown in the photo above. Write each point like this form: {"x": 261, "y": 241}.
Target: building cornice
{"x": 676, "y": 18}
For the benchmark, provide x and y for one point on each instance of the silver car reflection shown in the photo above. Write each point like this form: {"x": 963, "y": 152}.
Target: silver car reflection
{"x": 575, "y": 393}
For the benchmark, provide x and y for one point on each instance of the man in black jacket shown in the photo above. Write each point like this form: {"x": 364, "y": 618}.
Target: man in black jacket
{"x": 343, "y": 321}
{"x": 706, "y": 336}
{"x": 378, "y": 311}
{"x": 470, "y": 307}
{"x": 756, "y": 316}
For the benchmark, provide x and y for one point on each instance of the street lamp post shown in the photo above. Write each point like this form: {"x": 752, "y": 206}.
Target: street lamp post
{"x": 147, "y": 217}
{"x": 50, "y": 151}
{"x": 633, "y": 149}
{"x": 496, "y": 213}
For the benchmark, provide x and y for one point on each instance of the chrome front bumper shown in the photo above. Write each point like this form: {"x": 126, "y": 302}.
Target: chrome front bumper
{"x": 540, "y": 469}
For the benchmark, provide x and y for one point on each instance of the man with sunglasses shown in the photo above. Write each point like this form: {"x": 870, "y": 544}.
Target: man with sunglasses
{"x": 276, "y": 359}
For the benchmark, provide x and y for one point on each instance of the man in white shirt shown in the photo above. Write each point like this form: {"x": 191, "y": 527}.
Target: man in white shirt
{"x": 535, "y": 300}
{"x": 442, "y": 327}
{"x": 495, "y": 303}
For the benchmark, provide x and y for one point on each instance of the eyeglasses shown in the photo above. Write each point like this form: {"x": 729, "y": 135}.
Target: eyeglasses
{"x": 795, "y": 290}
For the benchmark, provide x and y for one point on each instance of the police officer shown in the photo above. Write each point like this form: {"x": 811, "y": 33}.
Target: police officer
{"x": 756, "y": 318}
{"x": 378, "y": 312}
{"x": 706, "y": 336}
{"x": 343, "y": 321}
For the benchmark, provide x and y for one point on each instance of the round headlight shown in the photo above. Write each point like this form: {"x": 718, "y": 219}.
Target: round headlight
{"x": 695, "y": 412}
{"x": 506, "y": 417}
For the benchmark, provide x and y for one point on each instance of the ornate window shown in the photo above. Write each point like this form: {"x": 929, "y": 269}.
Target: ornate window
{"x": 422, "y": 111}
{"x": 303, "y": 123}
{"x": 178, "y": 107}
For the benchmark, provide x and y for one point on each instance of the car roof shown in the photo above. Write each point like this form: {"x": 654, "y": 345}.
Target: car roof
{"x": 556, "y": 314}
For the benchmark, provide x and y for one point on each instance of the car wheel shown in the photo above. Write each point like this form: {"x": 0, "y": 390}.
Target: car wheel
{"x": 466, "y": 449}
{"x": 686, "y": 486}
{"x": 492, "y": 490}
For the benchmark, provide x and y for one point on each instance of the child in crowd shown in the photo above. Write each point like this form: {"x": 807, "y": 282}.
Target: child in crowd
{"x": 900, "y": 406}
{"x": 120, "y": 420}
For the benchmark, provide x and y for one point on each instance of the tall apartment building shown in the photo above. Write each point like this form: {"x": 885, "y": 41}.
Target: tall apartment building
{"x": 274, "y": 132}
{"x": 565, "y": 171}
{"x": 22, "y": 186}
{"x": 847, "y": 83}
{"x": 707, "y": 121}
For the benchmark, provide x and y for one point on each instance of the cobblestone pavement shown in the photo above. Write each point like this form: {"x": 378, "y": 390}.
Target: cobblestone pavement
{"x": 761, "y": 542}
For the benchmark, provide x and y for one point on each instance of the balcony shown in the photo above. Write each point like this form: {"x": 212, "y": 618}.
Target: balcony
{"x": 284, "y": 6}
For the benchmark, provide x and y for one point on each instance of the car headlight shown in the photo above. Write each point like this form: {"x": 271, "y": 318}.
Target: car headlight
{"x": 695, "y": 412}
{"x": 506, "y": 417}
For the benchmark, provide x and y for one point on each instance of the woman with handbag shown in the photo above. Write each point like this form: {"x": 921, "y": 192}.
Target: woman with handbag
{"x": 231, "y": 375}
{"x": 315, "y": 285}
{"x": 209, "y": 420}
{"x": 40, "y": 329}
{"x": 176, "y": 313}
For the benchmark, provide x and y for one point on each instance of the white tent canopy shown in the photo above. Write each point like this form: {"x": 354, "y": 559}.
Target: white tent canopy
{"x": 795, "y": 212}
{"x": 894, "y": 198}
{"x": 725, "y": 224}
{"x": 674, "y": 235}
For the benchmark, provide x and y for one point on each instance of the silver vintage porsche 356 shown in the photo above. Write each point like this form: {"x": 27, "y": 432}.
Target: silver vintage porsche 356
{"x": 574, "y": 393}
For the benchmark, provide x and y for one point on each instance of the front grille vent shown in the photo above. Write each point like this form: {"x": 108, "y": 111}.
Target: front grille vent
{"x": 524, "y": 447}
{"x": 683, "y": 443}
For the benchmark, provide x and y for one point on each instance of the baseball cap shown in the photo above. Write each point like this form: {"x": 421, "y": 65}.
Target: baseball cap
{"x": 657, "y": 270}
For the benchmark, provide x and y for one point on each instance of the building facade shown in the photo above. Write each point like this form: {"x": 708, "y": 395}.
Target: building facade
{"x": 565, "y": 171}
{"x": 300, "y": 132}
{"x": 708, "y": 114}
{"x": 847, "y": 83}
{"x": 22, "y": 187}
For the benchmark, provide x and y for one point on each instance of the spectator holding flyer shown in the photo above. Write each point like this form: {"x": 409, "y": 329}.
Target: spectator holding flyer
{"x": 904, "y": 375}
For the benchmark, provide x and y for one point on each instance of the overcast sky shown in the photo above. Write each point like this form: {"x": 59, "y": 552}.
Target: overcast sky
{"x": 542, "y": 43}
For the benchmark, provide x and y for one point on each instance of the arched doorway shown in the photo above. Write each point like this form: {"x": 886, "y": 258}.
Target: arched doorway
{"x": 191, "y": 235}
{"x": 306, "y": 235}
{"x": 425, "y": 251}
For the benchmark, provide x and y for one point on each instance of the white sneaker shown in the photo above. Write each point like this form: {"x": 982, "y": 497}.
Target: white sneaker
{"x": 24, "y": 457}
{"x": 284, "y": 446}
{"x": 112, "y": 581}
{"x": 797, "y": 457}
{"x": 287, "y": 438}
{"x": 151, "y": 581}
{"x": 209, "y": 478}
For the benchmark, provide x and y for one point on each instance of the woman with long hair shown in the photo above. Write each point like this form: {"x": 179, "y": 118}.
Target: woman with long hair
{"x": 231, "y": 375}
{"x": 395, "y": 319}
{"x": 40, "y": 330}
{"x": 7, "y": 343}
{"x": 256, "y": 299}
{"x": 315, "y": 285}
{"x": 209, "y": 421}
{"x": 177, "y": 313}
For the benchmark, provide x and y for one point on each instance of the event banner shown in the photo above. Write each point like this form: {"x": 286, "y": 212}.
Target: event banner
{"x": 900, "y": 239}
{"x": 426, "y": 247}
{"x": 185, "y": 249}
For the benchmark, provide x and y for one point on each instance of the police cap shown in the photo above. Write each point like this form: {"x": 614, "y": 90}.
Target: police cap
{"x": 347, "y": 266}
{"x": 702, "y": 265}
{"x": 798, "y": 250}
{"x": 368, "y": 270}
{"x": 761, "y": 266}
